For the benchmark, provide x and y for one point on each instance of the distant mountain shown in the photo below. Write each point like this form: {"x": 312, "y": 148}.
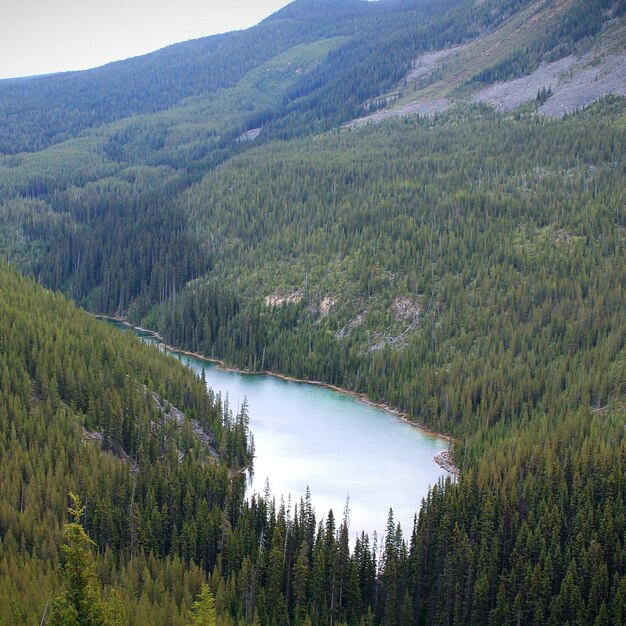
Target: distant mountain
{"x": 50, "y": 109}
{"x": 571, "y": 52}
{"x": 370, "y": 69}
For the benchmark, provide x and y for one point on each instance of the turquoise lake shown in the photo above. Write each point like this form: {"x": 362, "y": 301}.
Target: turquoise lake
{"x": 332, "y": 442}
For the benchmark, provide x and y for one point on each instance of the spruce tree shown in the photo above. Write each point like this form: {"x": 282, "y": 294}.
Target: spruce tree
{"x": 203, "y": 610}
{"x": 80, "y": 601}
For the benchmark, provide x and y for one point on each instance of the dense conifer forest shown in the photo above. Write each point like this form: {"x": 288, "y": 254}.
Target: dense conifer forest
{"x": 468, "y": 268}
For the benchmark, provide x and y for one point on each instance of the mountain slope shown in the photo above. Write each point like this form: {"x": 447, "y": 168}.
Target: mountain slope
{"x": 46, "y": 110}
{"x": 467, "y": 268}
{"x": 563, "y": 46}
{"x": 85, "y": 409}
{"x": 403, "y": 253}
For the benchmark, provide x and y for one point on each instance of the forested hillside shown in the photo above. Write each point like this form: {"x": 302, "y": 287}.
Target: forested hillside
{"x": 47, "y": 110}
{"x": 532, "y": 531}
{"x": 468, "y": 268}
{"x": 451, "y": 267}
{"x": 86, "y": 409}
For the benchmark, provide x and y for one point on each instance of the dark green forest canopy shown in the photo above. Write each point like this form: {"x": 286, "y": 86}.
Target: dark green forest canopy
{"x": 468, "y": 268}
{"x": 509, "y": 273}
{"x": 423, "y": 258}
{"x": 85, "y": 408}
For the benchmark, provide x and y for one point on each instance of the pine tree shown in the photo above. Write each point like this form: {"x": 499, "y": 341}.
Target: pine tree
{"x": 80, "y": 602}
{"x": 203, "y": 609}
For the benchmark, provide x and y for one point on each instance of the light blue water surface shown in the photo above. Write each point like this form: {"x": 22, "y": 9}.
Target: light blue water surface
{"x": 338, "y": 446}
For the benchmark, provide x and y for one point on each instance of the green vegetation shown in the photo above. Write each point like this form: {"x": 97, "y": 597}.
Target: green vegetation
{"x": 80, "y": 602}
{"x": 515, "y": 343}
{"x": 48, "y": 110}
{"x": 563, "y": 35}
{"x": 86, "y": 409}
{"x": 500, "y": 282}
{"x": 203, "y": 611}
{"x": 467, "y": 268}
{"x": 447, "y": 264}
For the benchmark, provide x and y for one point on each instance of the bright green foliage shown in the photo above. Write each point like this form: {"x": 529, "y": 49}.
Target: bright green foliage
{"x": 80, "y": 602}
{"x": 203, "y": 609}
{"x": 63, "y": 613}
{"x": 114, "y": 612}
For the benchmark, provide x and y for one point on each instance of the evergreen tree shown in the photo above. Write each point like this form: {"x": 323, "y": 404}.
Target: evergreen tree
{"x": 203, "y": 610}
{"x": 80, "y": 602}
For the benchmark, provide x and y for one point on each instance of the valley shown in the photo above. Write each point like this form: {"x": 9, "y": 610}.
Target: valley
{"x": 419, "y": 202}
{"x": 307, "y": 437}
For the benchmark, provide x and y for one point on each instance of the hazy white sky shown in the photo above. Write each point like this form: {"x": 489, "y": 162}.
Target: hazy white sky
{"x": 43, "y": 36}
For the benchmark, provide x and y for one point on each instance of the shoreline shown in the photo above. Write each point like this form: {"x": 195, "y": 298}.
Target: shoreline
{"x": 442, "y": 459}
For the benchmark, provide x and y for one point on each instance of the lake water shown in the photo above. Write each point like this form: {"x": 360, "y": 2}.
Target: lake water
{"x": 338, "y": 446}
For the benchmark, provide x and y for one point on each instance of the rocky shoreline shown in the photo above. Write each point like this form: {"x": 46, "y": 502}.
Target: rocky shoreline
{"x": 443, "y": 459}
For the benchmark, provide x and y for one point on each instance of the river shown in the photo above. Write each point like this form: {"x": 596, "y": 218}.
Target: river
{"x": 332, "y": 442}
